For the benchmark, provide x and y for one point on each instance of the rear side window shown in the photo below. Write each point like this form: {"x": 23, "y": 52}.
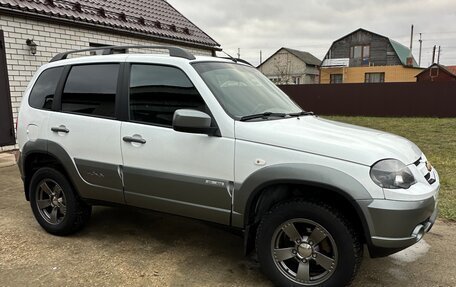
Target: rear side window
{"x": 43, "y": 91}
{"x": 91, "y": 90}
{"x": 157, "y": 91}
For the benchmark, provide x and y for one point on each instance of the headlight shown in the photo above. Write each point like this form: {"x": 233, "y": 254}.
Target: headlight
{"x": 392, "y": 174}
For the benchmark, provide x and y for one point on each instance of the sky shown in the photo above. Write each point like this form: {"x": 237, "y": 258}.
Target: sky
{"x": 312, "y": 25}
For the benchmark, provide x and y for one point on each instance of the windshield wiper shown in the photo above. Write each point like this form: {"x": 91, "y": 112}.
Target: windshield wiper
{"x": 264, "y": 115}
{"x": 303, "y": 113}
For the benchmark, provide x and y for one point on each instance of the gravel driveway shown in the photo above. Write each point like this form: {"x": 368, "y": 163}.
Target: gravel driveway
{"x": 126, "y": 247}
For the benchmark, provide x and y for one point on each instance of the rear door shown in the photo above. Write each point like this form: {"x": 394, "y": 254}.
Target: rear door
{"x": 175, "y": 172}
{"x": 87, "y": 129}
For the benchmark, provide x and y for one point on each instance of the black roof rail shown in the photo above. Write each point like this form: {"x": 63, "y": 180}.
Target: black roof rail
{"x": 107, "y": 50}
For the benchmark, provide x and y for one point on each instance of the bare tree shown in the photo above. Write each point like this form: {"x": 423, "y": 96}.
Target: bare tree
{"x": 283, "y": 69}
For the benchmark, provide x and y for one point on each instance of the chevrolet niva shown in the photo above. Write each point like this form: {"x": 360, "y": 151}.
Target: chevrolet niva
{"x": 213, "y": 139}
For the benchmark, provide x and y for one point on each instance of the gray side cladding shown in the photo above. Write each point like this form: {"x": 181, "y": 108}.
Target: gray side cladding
{"x": 299, "y": 173}
{"x": 381, "y": 51}
{"x": 84, "y": 189}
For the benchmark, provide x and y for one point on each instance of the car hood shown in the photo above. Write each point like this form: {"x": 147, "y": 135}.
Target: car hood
{"x": 329, "y": 138}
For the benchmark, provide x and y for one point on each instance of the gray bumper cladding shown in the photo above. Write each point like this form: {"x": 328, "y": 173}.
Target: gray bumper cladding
{"x": 399, "y": 224}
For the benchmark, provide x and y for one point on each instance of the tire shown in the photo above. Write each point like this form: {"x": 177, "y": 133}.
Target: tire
{"x": 55, "y": 205}
{"x": 325, "y": 250}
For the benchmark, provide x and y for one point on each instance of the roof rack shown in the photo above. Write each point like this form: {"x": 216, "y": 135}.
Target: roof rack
{"x": 108, "y": 50}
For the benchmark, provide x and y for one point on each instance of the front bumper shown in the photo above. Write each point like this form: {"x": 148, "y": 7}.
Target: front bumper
{"x": 396, "y": 225}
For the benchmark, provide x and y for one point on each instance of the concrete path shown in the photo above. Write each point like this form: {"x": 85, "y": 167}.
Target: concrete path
{"x": 7, "y": 159}
{"x": 125, "y": 247}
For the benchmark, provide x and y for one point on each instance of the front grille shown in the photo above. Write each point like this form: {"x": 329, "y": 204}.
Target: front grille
{"x": 421, "y": 165}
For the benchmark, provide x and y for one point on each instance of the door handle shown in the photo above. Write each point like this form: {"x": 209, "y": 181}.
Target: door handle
{"x": 60, "y": 129}
{"x": 134, "y": 140}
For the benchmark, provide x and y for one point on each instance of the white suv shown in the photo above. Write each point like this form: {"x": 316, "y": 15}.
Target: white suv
{"x": 214, "y": 139}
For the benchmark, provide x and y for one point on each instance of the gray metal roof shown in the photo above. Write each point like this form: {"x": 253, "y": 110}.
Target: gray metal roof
{"x": 306, "y": 57}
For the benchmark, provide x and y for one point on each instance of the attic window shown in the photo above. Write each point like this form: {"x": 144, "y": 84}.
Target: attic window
{"x": 142, "y": 21}
{"x": 101, "y": 12}
{"x": 173, "y": 28}
{"x": 122, "y": 16}
{"x": 158, "y": 24}
{"x": 77, "y": 7}
{"x": 187, "y": 31}
{"x": 434, "y": 72}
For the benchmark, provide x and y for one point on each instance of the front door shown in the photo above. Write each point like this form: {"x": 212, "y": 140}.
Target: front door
{"x": 169, "y": 171}
{"x": 6, "y": 116}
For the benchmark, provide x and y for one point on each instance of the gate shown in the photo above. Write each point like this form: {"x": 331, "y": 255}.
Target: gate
{"x": 6, "y": 113}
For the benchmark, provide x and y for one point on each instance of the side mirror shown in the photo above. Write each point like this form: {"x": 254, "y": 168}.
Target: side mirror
{"x": 192, "y": 121}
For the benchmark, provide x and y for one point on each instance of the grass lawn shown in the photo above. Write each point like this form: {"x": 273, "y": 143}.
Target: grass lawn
{"x": 435, "y": 137}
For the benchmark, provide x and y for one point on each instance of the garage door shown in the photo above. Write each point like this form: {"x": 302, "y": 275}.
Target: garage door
{"x": 6, "y": 114}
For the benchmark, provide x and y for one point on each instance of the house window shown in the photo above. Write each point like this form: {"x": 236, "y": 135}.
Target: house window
{"x": 360, "y": 52}
{"x": 336, "y": 78}
{"x": 374, "y": 78}
{"x": 100, "y": 52}
{"x": 296, "y": 80}
{"x": 434, "y": 72}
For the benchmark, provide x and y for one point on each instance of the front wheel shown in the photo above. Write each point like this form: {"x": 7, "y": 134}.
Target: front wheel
{"x": 303, "y": 243}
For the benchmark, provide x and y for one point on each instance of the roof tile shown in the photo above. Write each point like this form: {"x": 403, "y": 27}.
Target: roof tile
{"x": 108, "y": 13}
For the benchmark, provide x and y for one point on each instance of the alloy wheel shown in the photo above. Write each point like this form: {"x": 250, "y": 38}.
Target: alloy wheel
{"x": 51, "y": 201}
{"x": 304, "y": 251}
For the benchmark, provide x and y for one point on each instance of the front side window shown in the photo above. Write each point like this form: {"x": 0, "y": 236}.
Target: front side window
{"x": 156, "y": 92}
{"x": 374, "y": 78}
{"x": 243, "y": 90}
{"x": 42, "y": 94}
{"x": 91, "y": 90}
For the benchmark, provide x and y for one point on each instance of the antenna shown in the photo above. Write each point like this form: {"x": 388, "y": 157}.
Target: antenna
{"x": 438, "y": 56}
{"x": 433, "y": 55}
{"x": 421, "y": 47}
{"x": 411, "y": 40}
{"x": 229, "y": 56}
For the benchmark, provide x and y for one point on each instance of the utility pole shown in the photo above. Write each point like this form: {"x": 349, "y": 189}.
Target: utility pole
{"x": 438, "y": 56}
{"x": 433, "y": 55}
{"x": 421, "y": 46}
{"x": 239, "y": 53}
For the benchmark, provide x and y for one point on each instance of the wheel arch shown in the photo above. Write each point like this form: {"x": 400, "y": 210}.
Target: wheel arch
{"x": 36, "y": 155}
{"x": 274, "y": 184}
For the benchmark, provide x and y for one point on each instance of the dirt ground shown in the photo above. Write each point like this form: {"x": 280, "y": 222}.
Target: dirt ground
{"x": 125, "y": 247}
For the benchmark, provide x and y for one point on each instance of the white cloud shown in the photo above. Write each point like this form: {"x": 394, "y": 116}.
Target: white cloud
{"x": 312, "y": 25}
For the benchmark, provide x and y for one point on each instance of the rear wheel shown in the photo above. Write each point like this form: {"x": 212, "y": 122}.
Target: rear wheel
{"x": 302, "y": 243}
{"x": 55, "y": 205}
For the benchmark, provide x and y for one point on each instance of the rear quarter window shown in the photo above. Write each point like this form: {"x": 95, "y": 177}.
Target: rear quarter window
{"x": 42, "y": 94}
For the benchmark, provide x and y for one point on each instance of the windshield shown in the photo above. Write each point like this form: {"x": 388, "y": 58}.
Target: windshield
{"x": 244, "y": 91}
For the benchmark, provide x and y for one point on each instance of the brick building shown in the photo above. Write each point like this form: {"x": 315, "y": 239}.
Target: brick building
{"x": 59, "y": 25}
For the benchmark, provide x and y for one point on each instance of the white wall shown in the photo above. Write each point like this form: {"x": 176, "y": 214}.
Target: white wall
{"x": 51, "y": 39}
{"x": 287, "y": 66}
